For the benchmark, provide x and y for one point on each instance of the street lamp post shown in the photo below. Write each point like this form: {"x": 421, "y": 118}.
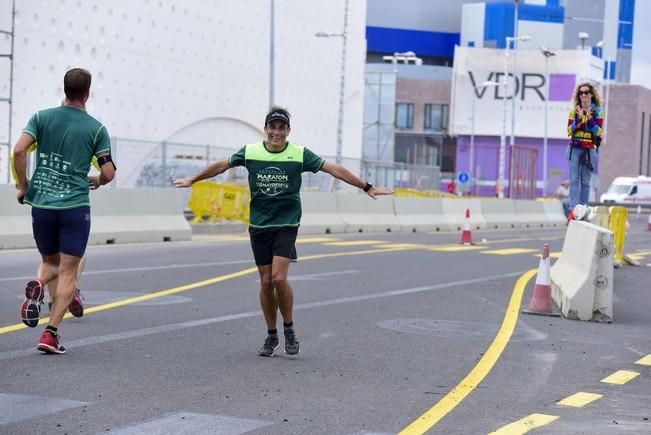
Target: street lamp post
{"x": 471, "y": 163}
{"x": 547, "y": 53}
{"x": 502, "y": 155}
{"x": 271, "y": 55}
{"x": 342, "y": 82}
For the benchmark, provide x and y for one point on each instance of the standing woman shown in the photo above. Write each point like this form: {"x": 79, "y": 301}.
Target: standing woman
{"x": 584, "y": 126}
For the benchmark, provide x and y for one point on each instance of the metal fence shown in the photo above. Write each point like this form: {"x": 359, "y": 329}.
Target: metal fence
{"x": 156, "y": 164}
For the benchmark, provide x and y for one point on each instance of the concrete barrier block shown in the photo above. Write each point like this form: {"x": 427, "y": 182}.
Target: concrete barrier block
{"x": 530, "y": 213}
{"x": 554, "y": 213}
{"x": 137, "y": 215}
{"x": 582, "y": 278}
{"x": 499, "y": 213}
{"x": 361, "y": 213}
{"x": 320, "y": 214}
{"x": 455, "y": 213}
{"x": 420, "y": 214}
{"x": 15, "y": 221}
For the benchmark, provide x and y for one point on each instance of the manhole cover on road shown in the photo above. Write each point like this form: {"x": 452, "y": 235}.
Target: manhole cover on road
{"x": 456, "y": 329}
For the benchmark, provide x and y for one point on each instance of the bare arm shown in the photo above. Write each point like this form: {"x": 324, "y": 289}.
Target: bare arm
{"x": 106, "y": 175}
{"x": 20, "y": 163}
{"x": 345, "y": 175}
{"x": 211, "y": 170}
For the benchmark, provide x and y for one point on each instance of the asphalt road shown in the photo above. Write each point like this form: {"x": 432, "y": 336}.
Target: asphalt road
{"x": 393, "y": 327}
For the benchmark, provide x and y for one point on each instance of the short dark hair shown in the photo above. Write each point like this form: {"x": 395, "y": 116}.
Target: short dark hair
{"x": 277, "y": 113}
{"x": 76, "y": 83}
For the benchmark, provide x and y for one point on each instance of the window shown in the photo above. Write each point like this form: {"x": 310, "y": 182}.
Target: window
{"x": 405, "y": 116}
{"x": 436, "y": 117}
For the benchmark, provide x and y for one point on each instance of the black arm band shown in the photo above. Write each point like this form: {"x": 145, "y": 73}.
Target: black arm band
{"x": 367, "y": 187}
{"x": 101, "y": 161}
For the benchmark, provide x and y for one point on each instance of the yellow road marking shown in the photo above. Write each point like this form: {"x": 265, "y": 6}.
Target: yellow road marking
{"x": 646, "y": 361}
{"x": 149, "y": 296}
{"x": 526, "y": 424}
{"x": 355, "y": 243}
{"x": 620, "y": 377}
{"x": 511, "y": 251}
{"x": 219, "y": 238}
{"x": 483, "y": 367}
{"x": 456, "y": 248}
{"x": 580, "y": 399}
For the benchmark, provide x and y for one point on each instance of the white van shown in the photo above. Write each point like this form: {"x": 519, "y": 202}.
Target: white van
{"x": 629, "y": 190}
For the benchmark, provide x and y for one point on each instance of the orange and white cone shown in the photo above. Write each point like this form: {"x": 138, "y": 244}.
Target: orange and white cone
{"x": 466, "y": 235}
{"x": 648, "y": 225}
{"x": 541, "y": 302}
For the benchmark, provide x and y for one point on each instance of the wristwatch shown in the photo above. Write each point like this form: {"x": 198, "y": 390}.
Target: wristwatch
{"x": 367, "y": 187}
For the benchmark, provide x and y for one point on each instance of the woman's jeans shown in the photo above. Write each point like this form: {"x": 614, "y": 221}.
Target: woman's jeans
{"x": 580, "y": 175}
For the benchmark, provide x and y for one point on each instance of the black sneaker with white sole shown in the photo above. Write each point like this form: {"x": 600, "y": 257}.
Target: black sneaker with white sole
{"x": 291, "y": 343}
{"x": 270, "y": 345}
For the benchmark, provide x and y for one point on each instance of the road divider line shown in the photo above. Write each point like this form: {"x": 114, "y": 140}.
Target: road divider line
{"x": 620, "y": 377}
{"x": 483, "y": 367}
{"x": 580, "y": 399}
{"x": 530, "y": 422}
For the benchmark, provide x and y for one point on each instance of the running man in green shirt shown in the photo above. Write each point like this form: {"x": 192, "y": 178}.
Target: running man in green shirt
{"x": 68, "y": 138}
{"x": 275, "y": 167}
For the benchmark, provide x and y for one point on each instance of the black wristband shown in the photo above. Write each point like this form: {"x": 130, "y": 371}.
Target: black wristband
{"x": 367, "y": 187}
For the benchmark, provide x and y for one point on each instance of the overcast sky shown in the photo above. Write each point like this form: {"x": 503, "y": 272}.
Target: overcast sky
{"x": 641, "y": 68}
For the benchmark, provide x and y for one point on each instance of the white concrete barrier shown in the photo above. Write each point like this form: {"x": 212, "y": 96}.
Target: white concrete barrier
{"x": 117, "y": 216}
{"x": 361, "y": 213}
{"x": 499, "y": 213}
{"x": 15, "y": 221}
{"x": 320, "y": 214}
{"x": 582, "y": 278}
{"x": 137, "y": 215}
{"x": 420, "y": 214}
{"x": 554, "y": 213}
{"x": 455, "y": 212}
{"x": 530, "y": 213}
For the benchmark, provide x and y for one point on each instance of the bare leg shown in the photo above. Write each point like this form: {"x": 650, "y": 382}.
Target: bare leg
{"x": 284, "y": 291}
{"x": 52, "y": 285}
{"x": 68, "y": 267}
{"x": 268, "y": 301}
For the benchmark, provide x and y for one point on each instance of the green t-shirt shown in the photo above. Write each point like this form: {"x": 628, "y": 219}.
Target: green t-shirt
{"x": 68, "y": 138}
{"x": 275, "y": 182}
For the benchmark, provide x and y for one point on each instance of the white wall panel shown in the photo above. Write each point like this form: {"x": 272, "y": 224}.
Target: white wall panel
{"x": 162, "y": 67}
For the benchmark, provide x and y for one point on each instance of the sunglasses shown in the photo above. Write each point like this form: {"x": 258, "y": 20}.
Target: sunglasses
{"x": 585, "y": 92}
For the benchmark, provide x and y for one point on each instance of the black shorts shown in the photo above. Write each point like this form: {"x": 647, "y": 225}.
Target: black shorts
{"x": 64, "y": 231}
{"x": 269, "y": 242}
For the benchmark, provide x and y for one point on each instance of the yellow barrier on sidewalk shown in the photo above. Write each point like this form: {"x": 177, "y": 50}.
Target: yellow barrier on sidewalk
{"x": 415, "y": 193}
{"x": 617, "y": 224}
{"x": 211, "y": 202}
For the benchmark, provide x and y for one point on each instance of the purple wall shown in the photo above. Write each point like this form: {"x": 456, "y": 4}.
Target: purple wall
{"x": 487, "y": 159}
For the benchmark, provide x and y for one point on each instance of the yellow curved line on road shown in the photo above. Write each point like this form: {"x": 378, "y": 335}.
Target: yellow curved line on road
{"x": 483, "y": 367}
{"x": 129, "y": 301}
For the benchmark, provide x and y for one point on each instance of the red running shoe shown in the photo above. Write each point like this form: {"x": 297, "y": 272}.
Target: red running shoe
{"x": 76, "y": 307}
{"x": 49, "y": 343}
{"x": 30, "y": 309}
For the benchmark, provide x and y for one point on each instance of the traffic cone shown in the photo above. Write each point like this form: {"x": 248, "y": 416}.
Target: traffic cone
{"x": 466, "y": 235}
{"x": 648, "y": 225}
{"x": 541, "y": 302}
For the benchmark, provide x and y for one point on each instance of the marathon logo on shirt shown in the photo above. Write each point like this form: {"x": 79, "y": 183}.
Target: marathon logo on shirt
{"x": 272, "y": 180}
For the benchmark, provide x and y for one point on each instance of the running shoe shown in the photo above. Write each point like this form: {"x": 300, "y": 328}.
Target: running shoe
{"x": 76, "y": 307}
{"x": 49, "y": 343}
{"x": 291, "y": 343}
{"x": 30, "y": 309}
{"x": 269, "y": 346}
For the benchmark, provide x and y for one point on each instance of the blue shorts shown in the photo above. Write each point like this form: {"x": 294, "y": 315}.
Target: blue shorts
{"x": 64, "y": 231}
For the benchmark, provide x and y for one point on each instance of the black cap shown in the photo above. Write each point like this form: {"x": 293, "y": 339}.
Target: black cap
{"x": 276, "y": 116}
